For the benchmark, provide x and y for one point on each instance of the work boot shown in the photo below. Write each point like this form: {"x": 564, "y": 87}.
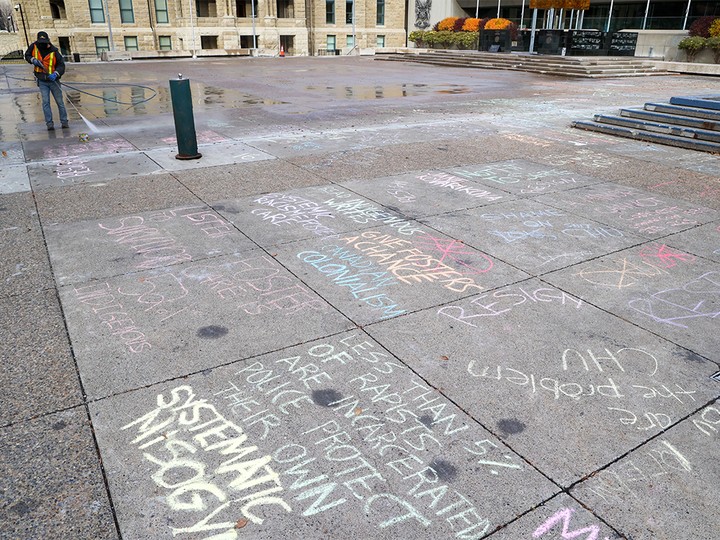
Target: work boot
{"x": 51, "y": 127}
{"x": 65, "y": 126}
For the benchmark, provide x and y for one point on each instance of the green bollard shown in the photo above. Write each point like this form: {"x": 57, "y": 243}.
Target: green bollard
{"x": 184, "y": 121}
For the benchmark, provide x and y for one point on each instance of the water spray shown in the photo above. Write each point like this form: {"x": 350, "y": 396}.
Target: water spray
{"x": 92, "y": 127}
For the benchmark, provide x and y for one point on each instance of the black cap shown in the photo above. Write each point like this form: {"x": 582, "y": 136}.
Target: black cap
{"x": 42, "y": 37}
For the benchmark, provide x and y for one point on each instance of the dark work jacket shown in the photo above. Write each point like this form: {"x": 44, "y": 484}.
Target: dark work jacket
{"x": 59, "y": 60}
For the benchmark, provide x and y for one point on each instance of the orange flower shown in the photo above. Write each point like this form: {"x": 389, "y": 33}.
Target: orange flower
{"x": 497, "y": 24}
{"x": 471, "y": 25}
{"x": 447, "y": 24}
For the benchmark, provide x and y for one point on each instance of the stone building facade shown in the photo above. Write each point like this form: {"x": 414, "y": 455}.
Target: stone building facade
{"x": 83, "y": 30}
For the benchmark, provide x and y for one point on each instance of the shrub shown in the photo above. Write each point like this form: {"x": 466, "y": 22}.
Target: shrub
{"x": 692, "y": 46}
{"x": 713, "y": 44}
{"x": 457, "y": 27}
{"x": 417, "y": 37}
{"x": 714, "y": 30}
{"x": 701, "y": 26}
{"x": 447, "y": 24}
{"x": 502, "y": 24}
{"x": 497, "y": 24}
{"x": 472, "y": 25}
{"x": 442, "y": 38}
{"x": 466, "y": 40}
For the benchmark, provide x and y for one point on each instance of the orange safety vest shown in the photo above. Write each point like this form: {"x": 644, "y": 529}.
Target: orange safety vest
{"x": 48, "y": 61}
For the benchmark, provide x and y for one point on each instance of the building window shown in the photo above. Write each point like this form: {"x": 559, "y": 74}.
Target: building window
{"x": 350, "y": 41}
{"x": 102, "y": 44}
{"x": 381, "y": 12}
{"x": 246, "y": 9}
{"x": 97, "y": 14}
{"x": 247, "y": 42}
{"x": 57, "y": 9}
{"x": 330, "y": 43}
{"x": 349, "y": 11}
{"x": 330, "y": 11}
{"x": 126, "y": 12}
{"x": 206, "y": 8}
{"x": 161, "y": 11}
{"x": 285, "y": 9}
{"x": 208, "y": 42}
{"x": 165, "y": 43}
{"x": 131, "y": 43}
{"x": 380, "y": 42}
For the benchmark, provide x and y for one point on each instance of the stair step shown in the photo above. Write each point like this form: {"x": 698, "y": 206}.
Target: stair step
{"x": 547, "y": 65}
{"x": 704, "y": 102}
{"x": 649, "y": 136}
{"x": 677, "y": 119}
{"x": 657, "y": 127}
{"x": 683, "y": 110}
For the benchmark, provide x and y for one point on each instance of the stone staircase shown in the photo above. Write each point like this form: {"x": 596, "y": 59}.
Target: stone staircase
{"x": 566, "y": 66}
{"x": 688, "y": 122}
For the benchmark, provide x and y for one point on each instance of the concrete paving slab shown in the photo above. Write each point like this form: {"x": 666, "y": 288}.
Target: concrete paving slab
{"x": 669, "y": 155}
{"x": 532, "y": 236}
{"x": 14, "y": 179}
{"x": 97, "y": 144}
{"x": 668, "y": 291}
{"x": 87, "y": 169}
{"x": 52, "y": 480}
{"x": 118, "y": 197}
{"x": 665, "y": 489}
{"x": 224, "y": 153}
{"x": 521, "y": 357}
{"x": 134, "y": 243}
{"x": 24, "y": 265}
{"x": 425, "y": 193}
{"x": 11, "y": 153}
{"x": 522, "y": 177}
{"x": 352, "y": 164}
{"x": 703, "y": 241}
{"x": 641, "y": 212}
{"x": 358, "y": 137}
{"x": 240, "y": 180}
{"x": 273, "y": 219}
{"x": 18, "y": 212}
{"x": 305, "y": 143}
{"x": 561, "y": 516}
{"x": 141, "y": 328}
{"x": 376, "y": 274}
{"x": 37, "y": 372}
{"x": 334, "y": 435}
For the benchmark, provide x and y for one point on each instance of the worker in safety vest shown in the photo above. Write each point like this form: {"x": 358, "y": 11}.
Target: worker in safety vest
{"x": 49, "y": 67}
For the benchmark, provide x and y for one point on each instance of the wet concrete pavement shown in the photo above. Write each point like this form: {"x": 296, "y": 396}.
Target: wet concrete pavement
{"x": 389, "y": 301}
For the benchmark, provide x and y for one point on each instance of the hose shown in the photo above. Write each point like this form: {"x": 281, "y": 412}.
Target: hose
{"x": 131, "y": 104}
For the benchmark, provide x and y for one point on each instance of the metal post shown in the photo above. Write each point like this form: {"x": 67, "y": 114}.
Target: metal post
{"x": 477, "y": 8}
{"x": 498, "y": 12}
{"x": 184, "y": 122}
{"x": 647, "y": 11}
{"x": 107, "y": 14}
{"x": 353, "y": 26}
{"x": 532, "y": 31}
{"x": 607, "y": 26}
{"x": 687, "y": 12}
{"x": 522, "y": 14}
{"x": 252, "y": 12}
{"x": 18, "y": 7}
{"x": 192, "y": 29}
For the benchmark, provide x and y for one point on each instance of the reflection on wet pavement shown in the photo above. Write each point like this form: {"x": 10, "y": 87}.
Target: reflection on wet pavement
{"x": 389, "y": 91}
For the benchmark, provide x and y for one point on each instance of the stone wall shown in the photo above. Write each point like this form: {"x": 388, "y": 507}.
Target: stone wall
{"x": 307, "y": 31}
{"x": 11, "y": 41}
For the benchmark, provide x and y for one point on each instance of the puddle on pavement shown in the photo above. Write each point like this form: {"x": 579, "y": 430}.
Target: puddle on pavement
{"x": 96, "y": 101}
{"x": 389, "y": 91}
